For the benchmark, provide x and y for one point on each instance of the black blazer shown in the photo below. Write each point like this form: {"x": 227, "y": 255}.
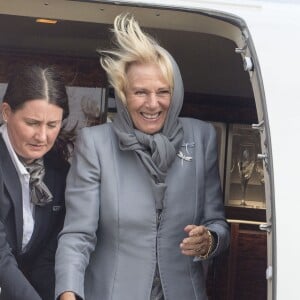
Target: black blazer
{"x": 29, "y": 275}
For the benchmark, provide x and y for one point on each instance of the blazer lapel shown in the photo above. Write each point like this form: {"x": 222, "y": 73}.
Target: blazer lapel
{"x": 12, "y": 182}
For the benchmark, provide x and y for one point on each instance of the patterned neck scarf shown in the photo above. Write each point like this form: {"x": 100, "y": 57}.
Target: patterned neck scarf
{"x": 39, "y": 193}
{"x": 157, "y": 151}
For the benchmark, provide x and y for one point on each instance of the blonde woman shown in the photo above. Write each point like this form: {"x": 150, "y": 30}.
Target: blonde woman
{"x": 144, "y": 207}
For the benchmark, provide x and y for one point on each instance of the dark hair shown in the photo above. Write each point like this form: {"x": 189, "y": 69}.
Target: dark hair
{"x": 33, "y": 82}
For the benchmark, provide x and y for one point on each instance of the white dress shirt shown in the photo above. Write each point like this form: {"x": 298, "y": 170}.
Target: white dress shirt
{"x": 28, "y": 207}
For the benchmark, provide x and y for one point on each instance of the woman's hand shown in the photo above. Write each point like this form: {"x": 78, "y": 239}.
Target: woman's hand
{"x": 67, "y": 296}
{"x": 198, "y": 242}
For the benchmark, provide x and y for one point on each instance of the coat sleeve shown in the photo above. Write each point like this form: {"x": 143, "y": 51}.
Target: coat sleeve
{"x": 78, "y": 237}
{"x": 214, "y": 215}
{"x": 14, "y": 285}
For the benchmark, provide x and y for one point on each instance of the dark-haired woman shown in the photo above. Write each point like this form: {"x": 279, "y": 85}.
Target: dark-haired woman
{"x": 34, "y": 151}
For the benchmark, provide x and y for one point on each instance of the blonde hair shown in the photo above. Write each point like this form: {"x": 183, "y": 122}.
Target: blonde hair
{"x": 132, "y": 46}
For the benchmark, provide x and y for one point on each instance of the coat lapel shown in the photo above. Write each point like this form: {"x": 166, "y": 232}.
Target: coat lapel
{"x": 12, "y": 182}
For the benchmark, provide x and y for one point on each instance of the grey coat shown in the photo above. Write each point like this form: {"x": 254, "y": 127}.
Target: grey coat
{"x": 107, "y": 249}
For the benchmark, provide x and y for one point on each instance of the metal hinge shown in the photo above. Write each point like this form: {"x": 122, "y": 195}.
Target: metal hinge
{"x": 269, "y": 273}
{"x": 265, "y": 227}
{"x": 260, "y": 126}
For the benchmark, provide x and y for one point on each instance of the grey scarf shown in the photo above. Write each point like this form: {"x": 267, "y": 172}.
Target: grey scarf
{"x": 157, "y": 151}
{"x": 39, "y": 192}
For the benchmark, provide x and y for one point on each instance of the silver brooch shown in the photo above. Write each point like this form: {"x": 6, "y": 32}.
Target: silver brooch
{"x": 186, "y": 157}
{"x": 183, "y": 156}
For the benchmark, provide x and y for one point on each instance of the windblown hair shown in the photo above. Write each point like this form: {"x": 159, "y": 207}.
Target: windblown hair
{"x": 34, "y": 82}
{"x": 132, "y": 46}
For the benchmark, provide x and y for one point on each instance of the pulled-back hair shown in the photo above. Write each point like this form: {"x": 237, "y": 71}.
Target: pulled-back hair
{"x": 132, "y": 46}
{"x": 34, "y": 82}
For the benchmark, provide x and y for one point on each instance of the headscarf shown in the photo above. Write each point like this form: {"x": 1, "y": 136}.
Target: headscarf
{"x": 156, "y": 151}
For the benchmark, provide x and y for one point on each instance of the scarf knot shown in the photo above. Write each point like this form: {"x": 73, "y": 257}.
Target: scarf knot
{"x": 39, "y": 192}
